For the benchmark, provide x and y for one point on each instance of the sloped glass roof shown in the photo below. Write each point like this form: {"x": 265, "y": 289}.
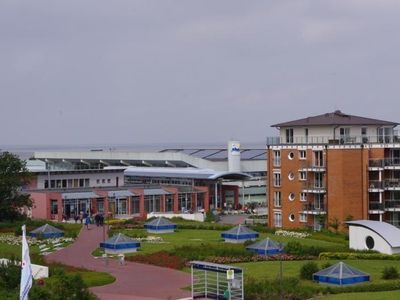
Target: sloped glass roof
{"x": 120, "y": 239}
{"x": 160, "y": 222}
{"x": 340, "y": 270}
{"x": 239, "y": 230}
{"x": 46, "y": 229}
{"x": 266, "y": 244}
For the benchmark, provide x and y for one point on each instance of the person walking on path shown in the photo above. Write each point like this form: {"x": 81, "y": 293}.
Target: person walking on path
{"x": 87, "y": 221}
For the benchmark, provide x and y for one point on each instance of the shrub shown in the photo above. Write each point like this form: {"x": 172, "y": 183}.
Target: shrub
{"x": 287, "y": 288}
{"x": 161, "y": 258}
{"x": 295, "y": 248}
{"x": 308, "y": 269}
{"x": 390, "y": 273}
{"x": 357, "y": 255}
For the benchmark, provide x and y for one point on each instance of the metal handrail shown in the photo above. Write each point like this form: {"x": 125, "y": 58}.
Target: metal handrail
{"x": 339, "y": 140}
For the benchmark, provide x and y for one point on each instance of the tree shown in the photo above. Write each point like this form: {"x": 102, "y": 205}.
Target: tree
{"x": 335, "y": 224}
{"x": 13, "y": 177}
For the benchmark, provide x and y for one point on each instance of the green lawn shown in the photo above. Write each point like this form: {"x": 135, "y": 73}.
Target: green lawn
{"x": 92, "y": 279}
{"x": 197, "y": 236}
{"x": 270, "y": 269}
{"x": 389, "y": 295}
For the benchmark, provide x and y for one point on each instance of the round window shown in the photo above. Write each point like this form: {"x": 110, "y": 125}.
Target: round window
{"x": 291, "y": 176}
{"x": 291, "y": 217}
{"x": 291, "y": 155}
{"x": 369, "y": 242}
{"x": 291, "y": 196}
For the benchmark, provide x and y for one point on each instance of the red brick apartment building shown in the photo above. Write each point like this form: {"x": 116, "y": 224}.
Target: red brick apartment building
{"x": 333, "y": 166}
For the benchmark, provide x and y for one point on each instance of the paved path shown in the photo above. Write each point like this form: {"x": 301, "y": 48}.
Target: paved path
{"x": 134, "y": 281}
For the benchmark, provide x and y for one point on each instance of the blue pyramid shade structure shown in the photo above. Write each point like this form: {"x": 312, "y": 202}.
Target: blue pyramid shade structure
{"x": 266, "y": 247}
{"x": 340, "y": 274}
{"x": 120, "y": 243}
{"x": 239, "y": 232}
{"x": 160, "y": 225}
{"x": 47, "y": 231}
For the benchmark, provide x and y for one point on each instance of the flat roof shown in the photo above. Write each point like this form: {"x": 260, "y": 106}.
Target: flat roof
{"x": 191, "y": 173}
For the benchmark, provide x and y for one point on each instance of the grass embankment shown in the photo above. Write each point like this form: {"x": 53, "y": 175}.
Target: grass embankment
{"x": 8, "y": 250}
{"x": 389, "y": 295}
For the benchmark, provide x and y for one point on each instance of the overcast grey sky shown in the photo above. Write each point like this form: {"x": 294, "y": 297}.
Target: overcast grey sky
{"x": 140, "y": 72}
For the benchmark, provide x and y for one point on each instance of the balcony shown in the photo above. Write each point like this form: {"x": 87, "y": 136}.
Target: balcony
{"x": 376, "y": 186}
{"x": 392, "y": 184}
{"x": 313, "y": 167}
{"x": 314, "y": 208}
{"x": 392, "y": 162}
{"x": 339, "y": 140}
{"x": 313, "y": 187}
{"x": 392, "y": 205}
{"x": 376, "y": 164}
{"x": 376, "y": 208}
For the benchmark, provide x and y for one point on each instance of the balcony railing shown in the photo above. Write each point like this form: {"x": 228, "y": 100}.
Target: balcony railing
{"x": 394, "y": 161}
{"x": 313, "y": 165}
{"x": 314, "y": 185}
{"x": 339, "y": 140}
{"x": 392, "y": 204}
{"x": 376, "y": 206}
{"x": 376, "y": 163}
{"x": 317, "y": 207}
{"x": 376, "y": 184}
{"x": 392, "y": 183}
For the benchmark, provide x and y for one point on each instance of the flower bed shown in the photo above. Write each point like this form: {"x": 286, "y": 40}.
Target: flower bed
{"x": 295, "y": 234}
{"x": 161, "y": 259}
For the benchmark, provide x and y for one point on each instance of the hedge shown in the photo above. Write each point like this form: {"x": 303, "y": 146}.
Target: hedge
{"x": 357, "y": 255}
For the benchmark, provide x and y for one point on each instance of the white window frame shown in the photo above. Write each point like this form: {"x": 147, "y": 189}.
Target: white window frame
{"x": 303, "y": 196}
{"x": 302, "y": 154}
{"x": 303, "y": 218}
{"x": 277, "y": 199}
{"x": 277, "y": 180}
{"x": 302, "y": 175}
{"x": 276, "y": 158}
{"x": 277, "y": 219}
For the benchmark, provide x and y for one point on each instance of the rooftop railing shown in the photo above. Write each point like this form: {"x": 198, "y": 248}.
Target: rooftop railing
{"x": 330, "y": 140}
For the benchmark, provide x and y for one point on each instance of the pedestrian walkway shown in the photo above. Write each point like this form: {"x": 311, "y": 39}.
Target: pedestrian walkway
{"x": 134, "y": 281}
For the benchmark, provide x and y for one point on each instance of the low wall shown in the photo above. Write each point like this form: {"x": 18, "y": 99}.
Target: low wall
{"x": 192, "y": 217}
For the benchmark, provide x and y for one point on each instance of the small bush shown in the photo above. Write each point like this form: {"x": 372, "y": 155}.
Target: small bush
{"x": 295, "y": 248}
{"x": 390, "y": 273}
{"x": 308, "y": 269}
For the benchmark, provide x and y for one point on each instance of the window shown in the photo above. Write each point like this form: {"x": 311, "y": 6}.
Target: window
{"x": 291, "y": 217}
{"x": 306, "y": 134}
{"x": 277, "y": 158}
{"x": 302, "y": 154}
{"x": 369, "y": 242}
{"x": 318, "y": 158}
{"x": 46, "y": 184}
{"x": 303, "y": 196}
{"x": 100, "y": 206}
{"x": 97, "y": 181}
{"x": 319, "y": 180}
{"x": 87, "y": 182}
{"x": 103, "y": 181}
{"x": 277, "y": 219}
{"x": 277, "y": 199}
{"x": 302, "y": 175}
{"x": 291, "y": 155}
{"x": 291, "y": 196}
{"x": 303, "y": 218}
{"x": 291, "y": 176}
{"x": 53, "y": 207}
{"x": 289, "y": 135}
{"x": 277, "y": 179}
{"x": 344, "y": 135}
{"x": 108, "y": 180}
{"x": 81, "y": 182}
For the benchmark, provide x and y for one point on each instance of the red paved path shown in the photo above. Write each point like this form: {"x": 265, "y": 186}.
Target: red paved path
{"x": 134, "y": 281}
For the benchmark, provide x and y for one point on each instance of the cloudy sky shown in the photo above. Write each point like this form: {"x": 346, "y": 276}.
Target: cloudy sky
{"x": 141, "y": 72}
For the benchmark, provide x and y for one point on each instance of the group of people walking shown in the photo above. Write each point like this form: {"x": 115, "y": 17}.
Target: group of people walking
{"x": 86, "y": 219}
